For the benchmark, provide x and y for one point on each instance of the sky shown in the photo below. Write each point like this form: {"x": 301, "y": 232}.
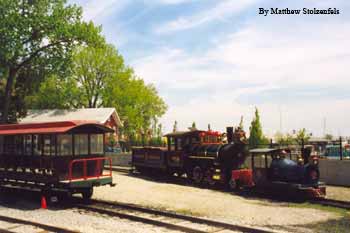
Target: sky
{"x": 213, "y": 61}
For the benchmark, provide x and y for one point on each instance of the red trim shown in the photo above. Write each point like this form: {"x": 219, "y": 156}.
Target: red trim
{"x": 245, "y": 176}
{"x": 316, "y": 192}
{"x": 97, "y": 171}
{"x": 44, "y": 128}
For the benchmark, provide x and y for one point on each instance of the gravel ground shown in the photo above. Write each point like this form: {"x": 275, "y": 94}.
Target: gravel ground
{"x": 213, "y": 204}
{"x": 338, "y": 193}
{"x": 184, "y": 199}
{"x": 71, "y": 219}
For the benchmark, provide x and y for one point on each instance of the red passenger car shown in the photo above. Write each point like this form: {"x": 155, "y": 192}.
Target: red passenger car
{"x": 57, "y": 156}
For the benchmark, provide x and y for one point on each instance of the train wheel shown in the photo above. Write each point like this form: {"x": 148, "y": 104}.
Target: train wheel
{"x": 197, "y": 175}
{"x": 87, "y": 193}
{"x": 232, "y": 184}
{"x": 209, "y": 177}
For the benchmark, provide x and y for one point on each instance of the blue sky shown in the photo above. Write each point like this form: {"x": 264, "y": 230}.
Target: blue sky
{"x": 215, "y": 60}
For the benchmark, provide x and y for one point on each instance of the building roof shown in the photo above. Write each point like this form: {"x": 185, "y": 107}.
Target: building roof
{"x": 50, "y": 127}
{"x": 100, "y": 115}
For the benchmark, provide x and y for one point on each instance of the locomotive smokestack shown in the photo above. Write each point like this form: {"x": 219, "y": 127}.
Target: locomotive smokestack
{"x": 229, "y": 131}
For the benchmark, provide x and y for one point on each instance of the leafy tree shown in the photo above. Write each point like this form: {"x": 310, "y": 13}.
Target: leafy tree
{"x": 286, "y": 139}
{"x": 256, "y": 137}
{"x": 99, "y": 78}
{"x": 194, "y": 125}
{"x": 328, "y": 137}
{"x": 241, "y": 123}
{"x": 302, "y": 136}
{"x": 36, "y": 33}
{"x": 175, "y": 127}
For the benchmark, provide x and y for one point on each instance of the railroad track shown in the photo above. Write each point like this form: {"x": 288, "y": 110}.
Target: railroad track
{"x": 16, "y": 225}
{"x": 332, "y": 203}
{"x": 168, "y": 220}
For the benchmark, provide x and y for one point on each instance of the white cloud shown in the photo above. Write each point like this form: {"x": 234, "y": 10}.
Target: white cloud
{"x": 97, "y": 10}
{"x": 218, "y": 12}
{"x": 280, "y": 56}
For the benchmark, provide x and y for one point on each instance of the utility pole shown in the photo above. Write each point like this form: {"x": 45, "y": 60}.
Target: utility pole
{"x": 324, "y": 126}
{"x": 280, "y": 110}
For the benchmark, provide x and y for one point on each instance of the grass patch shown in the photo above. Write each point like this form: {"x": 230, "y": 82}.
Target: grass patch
{"x": 340, "y": 211}
{"x": 333, "y": 225}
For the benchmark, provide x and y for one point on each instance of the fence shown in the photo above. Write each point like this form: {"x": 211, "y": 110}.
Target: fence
{"x": 333, "y": 149}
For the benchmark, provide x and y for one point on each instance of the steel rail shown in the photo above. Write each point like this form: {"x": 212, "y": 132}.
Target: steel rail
{"x": 6, "y": 231}
{"x": 36, "y": 224}
{"x": 172, "y": 215}
{"x": 332, "y": 203}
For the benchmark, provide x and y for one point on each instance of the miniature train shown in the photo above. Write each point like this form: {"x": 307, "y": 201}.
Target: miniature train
{"x": 57, "y": 156}
{"x": 204, "y": 158}
{"x": 273, "y": 171}
{"x": 200, "y": 155}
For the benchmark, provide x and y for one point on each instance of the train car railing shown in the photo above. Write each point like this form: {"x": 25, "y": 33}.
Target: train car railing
{"x": 89, "y": 168}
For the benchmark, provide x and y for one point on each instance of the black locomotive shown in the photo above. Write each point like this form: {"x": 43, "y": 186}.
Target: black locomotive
{"x": 201, "y": 155}
{"x": 274, "y": 171}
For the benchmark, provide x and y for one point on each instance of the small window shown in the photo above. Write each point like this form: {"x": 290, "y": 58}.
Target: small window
{"x": 64, "y": 144}
{"x": 96, "y": 143}
{"x": 36, "y": 144}
{"x": 178, "y": 144}
{"x": 28, "y": 145}
{"x": 48, "y": 145}
{"x": 81, "y": 144}
{"x": 1, "y": 144}
{"x": 171, "y": 142}
{"x": 19, "y": 145}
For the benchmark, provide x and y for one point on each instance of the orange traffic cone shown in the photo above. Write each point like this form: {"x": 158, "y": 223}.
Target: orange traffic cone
{"x": 43, "y": 202}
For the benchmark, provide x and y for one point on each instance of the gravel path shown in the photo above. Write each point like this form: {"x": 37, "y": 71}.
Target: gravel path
{"x": 71, "y": 219}
{"x": 338, "y": 193}
{"x": 211, "y": 203}
{"x": 167, "y": 196}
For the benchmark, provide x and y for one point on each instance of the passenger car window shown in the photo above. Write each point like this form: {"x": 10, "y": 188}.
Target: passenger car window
{"x": 28, "y": 145}
{"x": 64, "y": 144}
{"x": 36, "y": 140}
{"x": 96, "y": 143}
{"x": 81, "y": 144}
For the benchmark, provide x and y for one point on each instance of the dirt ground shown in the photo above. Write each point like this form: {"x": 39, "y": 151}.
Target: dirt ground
{"x": 338, "y": 193}
{"x": 217, "y": 204}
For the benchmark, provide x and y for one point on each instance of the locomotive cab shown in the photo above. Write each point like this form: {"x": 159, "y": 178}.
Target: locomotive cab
{"x": 273, "y": 170}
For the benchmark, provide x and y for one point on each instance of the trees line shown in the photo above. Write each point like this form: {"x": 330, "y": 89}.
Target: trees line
{"x": 50, "y": 58}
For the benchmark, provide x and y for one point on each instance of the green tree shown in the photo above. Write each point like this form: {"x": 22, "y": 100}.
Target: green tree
{"x": 256, "y": 137}
{"x": 36, "y": 33}
{"x": 328, "y": 137}
{"x": 286, "y": 139}
{"x": 175, "y": 126}
{"x": 302, "y": 136}
{"x": 193, "y": 126}
{"x": 99, "y": 78}
{"x": 241, "y": 123}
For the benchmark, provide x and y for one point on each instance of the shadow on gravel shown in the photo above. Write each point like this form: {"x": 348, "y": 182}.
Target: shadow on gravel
{"x": 23, "y": 199}
{"x": 248, "y": 194}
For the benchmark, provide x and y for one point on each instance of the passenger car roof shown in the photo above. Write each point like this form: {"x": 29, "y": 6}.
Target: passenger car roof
{"x": 50, "y": 127}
